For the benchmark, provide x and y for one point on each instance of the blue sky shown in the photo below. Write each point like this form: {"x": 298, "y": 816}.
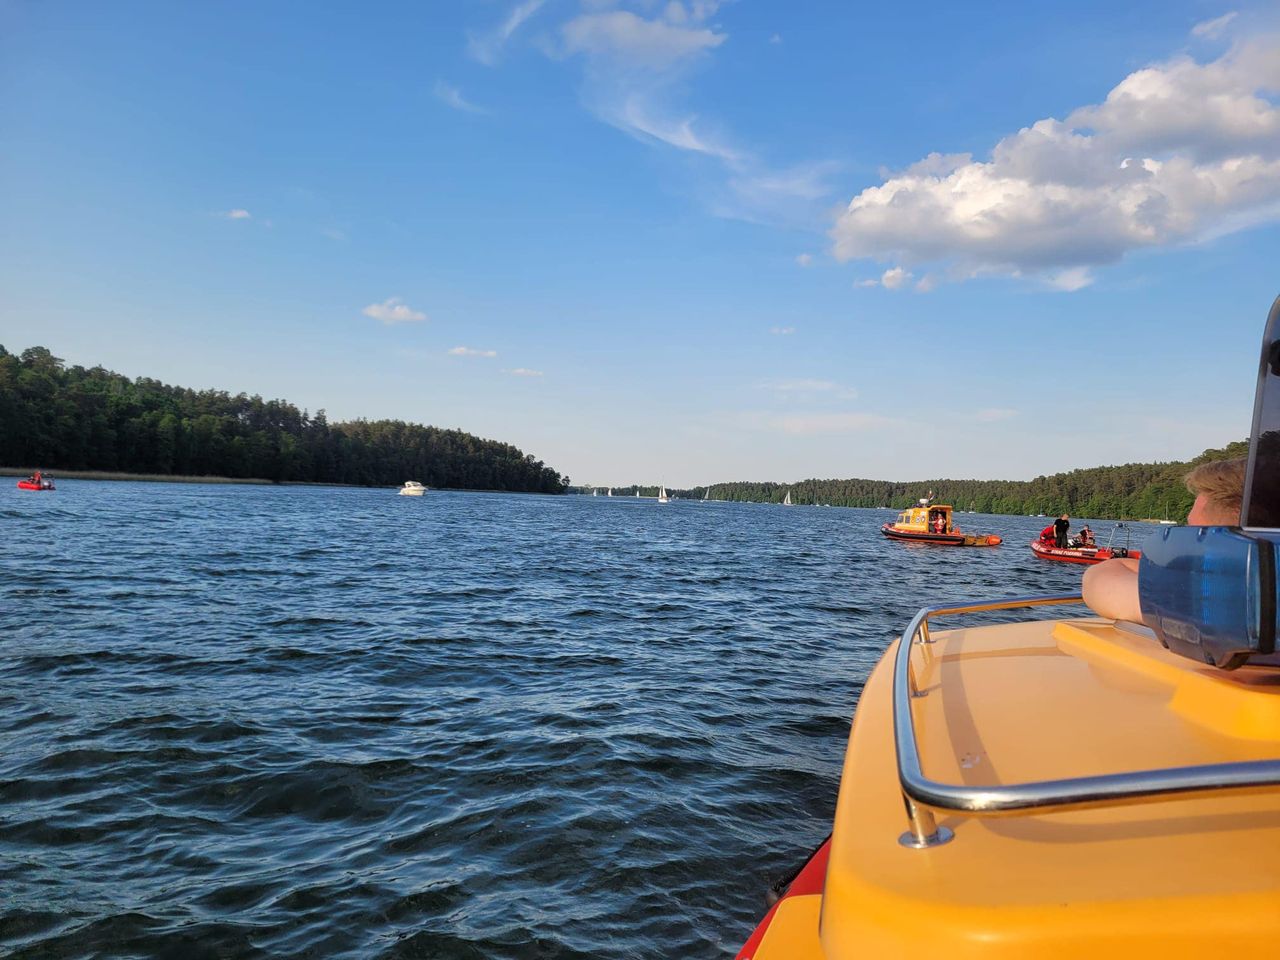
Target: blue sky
{"x": 678, "y": 242}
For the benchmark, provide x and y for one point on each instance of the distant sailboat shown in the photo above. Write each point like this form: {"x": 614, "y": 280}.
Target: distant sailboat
{"x": 662, "y": 494}
{"x": 595, "y": 493}
{"x": 610, "y": 493}
{"x": 637, "y": 493}
{"x": 706, "y": 495}
{"x": 786, "y": 501}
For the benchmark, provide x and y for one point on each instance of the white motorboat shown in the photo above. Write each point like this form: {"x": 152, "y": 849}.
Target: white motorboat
{"x": 412, "y": 488}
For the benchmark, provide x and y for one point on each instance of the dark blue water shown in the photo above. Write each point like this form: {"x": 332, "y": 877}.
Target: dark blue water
{"x": 322, "y": 722}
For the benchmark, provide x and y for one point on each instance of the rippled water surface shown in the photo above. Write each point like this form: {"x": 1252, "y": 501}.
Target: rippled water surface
{"x": 324, "y": 722}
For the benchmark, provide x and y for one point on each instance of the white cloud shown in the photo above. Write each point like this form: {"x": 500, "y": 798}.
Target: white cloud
{"x": 632, "y": 42}
{"x": 866, "y": 283}
{"x": 809, "y": 389}
{"x": 1070, "y": 280}
{"x": 776, "y": 38}
{"x": 452, "y": 96}
{"x": 782, "y": 331}
{"x": 236, "y": 214}
{"x": 523, "y": 372}
{"x": 926, "y": 283}
{"x": 471, "y": 352}
{"x": 804, "y": 259}
{"x": 393, "y": 310}
{"x": 811, "y": 423}
{"x": 1178, "y": 152}
{"x": 487, "y": 47}
{"x": 635, "y": 72}
{"x": 994, "y": 414}
{"x": 1211, "y": 29}
{"x": 895, "y": 277}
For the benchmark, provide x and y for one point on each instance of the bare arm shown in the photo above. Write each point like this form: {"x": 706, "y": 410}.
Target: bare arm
{"x": 1111, "y": 590}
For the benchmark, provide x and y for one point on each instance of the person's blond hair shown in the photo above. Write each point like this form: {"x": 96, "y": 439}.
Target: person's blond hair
{"x": 1222, "y": 481}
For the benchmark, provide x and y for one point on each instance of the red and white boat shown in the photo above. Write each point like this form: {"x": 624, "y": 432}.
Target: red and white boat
{"x": 37, "y": 482}
{"x": 1048, "y": 550}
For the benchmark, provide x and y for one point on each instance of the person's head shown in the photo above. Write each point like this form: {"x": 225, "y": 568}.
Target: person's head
{"x": 1064, "y": 517}
{"x": 1219, "y": 488}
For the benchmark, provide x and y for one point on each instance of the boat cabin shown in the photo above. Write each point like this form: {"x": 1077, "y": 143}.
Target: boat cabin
{"x": 926, "y": 518}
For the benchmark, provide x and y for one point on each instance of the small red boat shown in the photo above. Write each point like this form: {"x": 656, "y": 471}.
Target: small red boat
{"x": 1047, "y": 550}
{"x": 37, "y": 482}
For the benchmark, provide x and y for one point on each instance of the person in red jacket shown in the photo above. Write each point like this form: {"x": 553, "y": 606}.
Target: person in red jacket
{"x": 1047, "y": 534}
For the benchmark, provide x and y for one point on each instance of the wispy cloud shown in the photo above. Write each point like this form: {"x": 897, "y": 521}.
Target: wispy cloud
{"x": 333, "y": 233}
{"x": 832, "y": 423}
{"x": 471, "y": 352}
{"x": 1179, "y": 152}
{"x": 452, "y": 97}
{"x": 393, "y": 310}
{"x": 995, "y": 414}
{"x": 236, "y": 214}
{"x": 782, "y": 331}
{"x": 487, "y": 47}
{"x": 636, "y": 69}
{"x": 804, "y": 259}
{"x": 1212, "y": 29}
{"x": 809, "y": 389}
{"x": 636, "y": 43}
{"x": 523, "y": 372}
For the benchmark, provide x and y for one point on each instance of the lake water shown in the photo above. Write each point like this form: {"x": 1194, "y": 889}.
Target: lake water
{"x": 304, "y": 721}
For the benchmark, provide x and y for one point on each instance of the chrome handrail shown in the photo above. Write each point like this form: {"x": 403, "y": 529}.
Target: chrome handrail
{"x": 922, "y": 796}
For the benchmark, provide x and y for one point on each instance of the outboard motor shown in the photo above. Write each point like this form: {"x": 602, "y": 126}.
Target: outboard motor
{"x": 1210, "y": 593}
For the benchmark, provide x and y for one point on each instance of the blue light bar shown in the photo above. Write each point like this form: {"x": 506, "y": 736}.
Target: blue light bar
{"x": 1210, "y": 593}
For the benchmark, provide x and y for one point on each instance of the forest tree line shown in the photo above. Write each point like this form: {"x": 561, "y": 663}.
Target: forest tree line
{"x": 55, "y": 417}
{"x": 1131, "y": 491}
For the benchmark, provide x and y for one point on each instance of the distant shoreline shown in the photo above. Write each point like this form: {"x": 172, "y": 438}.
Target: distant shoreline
{"x": 158, "y": 477}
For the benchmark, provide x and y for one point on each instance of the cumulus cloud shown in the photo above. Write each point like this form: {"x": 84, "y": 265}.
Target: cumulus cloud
{"x": 1179, "y": 151}
{"x": 393, "y": 310}
{"x": 895, "y": 278}
{"x": 471, "y": 352}
{"x": 487, "y": 47}
{"x": 524, "y": 372}
{"x": 236, "y": 214}
{"x": 782, "y": 331}
{"x": 452, "y": 96}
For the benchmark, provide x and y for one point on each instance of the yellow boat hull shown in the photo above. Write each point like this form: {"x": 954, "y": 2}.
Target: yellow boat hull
{"x": 1039, "y": 701}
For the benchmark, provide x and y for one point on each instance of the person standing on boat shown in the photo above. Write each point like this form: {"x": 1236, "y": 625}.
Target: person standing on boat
{"x": 1060, "y": 528}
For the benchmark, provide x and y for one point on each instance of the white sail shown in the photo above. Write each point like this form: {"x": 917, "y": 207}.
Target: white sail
{"x": 786, "y": 501}
{"x": 610, "y": 493}
{"x": 706, "y": 495}
{"x": 662, "y": 494}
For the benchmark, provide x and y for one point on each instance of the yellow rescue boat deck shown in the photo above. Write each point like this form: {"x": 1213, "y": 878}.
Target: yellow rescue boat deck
{"x": 1039, "y": 701}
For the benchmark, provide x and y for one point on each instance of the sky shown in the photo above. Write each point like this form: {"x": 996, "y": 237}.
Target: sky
{"x": 677, "y": 242}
